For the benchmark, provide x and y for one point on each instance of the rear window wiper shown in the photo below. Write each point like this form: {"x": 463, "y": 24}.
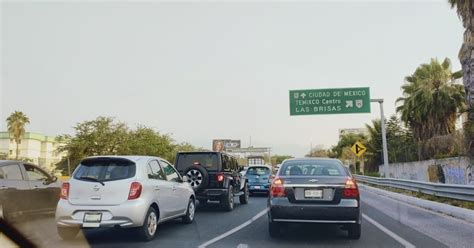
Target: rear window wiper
{"x": 92, "y": 179}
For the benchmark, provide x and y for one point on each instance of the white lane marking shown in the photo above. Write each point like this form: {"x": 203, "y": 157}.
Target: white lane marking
{"x": 234, "y": 230}
{"x": 243, "y": 246}
{"x": 389, "y": 233}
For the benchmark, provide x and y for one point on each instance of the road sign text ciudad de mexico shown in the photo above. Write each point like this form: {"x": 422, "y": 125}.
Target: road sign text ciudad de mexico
{"x": 330, "y": 101}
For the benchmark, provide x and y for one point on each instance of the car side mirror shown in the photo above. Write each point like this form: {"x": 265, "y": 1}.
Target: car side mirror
{"x": 50, "y": 180}
{"x": 185, "y": 179}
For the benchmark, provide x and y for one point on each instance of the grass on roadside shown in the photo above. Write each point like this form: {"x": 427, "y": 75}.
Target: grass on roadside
{"x": 453, "y": 202}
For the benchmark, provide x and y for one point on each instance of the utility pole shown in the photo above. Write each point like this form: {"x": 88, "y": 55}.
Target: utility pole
{"x": 68, "y": 166}
{"x": 384, "y": 137}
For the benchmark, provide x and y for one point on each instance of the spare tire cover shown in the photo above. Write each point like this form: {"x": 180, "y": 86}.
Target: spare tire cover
{"x": 198, "y": 177}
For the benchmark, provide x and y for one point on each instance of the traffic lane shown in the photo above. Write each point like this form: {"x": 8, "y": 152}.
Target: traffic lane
{"x": 210, "y": 221}
{"x": 446, "y": 229}
{"x": 306, "y": 235}
{"x": 310, "y": 235}
{"x": 408, "y": 233}
{"x": 41, "y": 230}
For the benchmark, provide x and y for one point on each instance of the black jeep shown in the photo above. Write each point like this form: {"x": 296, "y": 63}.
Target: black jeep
{"x": 214, "y": 176}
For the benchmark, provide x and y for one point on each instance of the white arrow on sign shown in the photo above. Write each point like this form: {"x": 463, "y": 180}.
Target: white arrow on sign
{"x": 303, "y": 95}
{"x": 349, "y": 104}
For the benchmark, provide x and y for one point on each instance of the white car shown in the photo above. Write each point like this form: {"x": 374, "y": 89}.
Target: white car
{"x": 123, "y": 191}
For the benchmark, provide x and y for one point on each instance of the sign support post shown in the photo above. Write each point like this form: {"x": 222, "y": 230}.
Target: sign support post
{"x": 384, "y": 137}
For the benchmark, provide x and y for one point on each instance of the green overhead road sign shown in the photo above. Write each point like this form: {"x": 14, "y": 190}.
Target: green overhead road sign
{"x": 329, "y": 101}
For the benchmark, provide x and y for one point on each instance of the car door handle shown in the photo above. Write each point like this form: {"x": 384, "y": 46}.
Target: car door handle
{"x": 156, "y": 188}
{"x": 174, "y": 188}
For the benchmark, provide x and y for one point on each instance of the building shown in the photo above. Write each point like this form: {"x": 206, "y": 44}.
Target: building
{"x": 242, "y": 154}
{"x": 345, "y": 131}
{"x": 37, "y": 148}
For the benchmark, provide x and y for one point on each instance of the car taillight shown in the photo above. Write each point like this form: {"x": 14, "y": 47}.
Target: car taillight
{"x": 135, "y": 191}
{"x": 277, "y": 188}
{"x": 350, "y": 189}
{"x": 220, "y": 178}
{"x": 64, "y": 191}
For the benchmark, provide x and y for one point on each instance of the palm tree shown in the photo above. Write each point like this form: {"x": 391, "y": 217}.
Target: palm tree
{"x": 16, "y": 127}
{"x": 431, "y": 100}
{"x": 465, "y": 9}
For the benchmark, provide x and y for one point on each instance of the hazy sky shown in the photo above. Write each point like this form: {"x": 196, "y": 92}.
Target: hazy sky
{"x": 213, "y": 70}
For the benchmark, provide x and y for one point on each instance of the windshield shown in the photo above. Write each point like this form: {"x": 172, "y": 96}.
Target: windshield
{"x": 255, "y": 123}
{"x": 260, "y": 171}
{"x": 105, "y": 170}
{"x": 207, "y": 160}
{"x": 312, "y": 168}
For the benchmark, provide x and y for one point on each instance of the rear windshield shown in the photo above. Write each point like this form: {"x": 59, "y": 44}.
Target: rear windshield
{"x": 258, "y": 171}
{"x": 207, "y": 160}
{"x": 312, "y": 168}
{"x": 105, "y": 169}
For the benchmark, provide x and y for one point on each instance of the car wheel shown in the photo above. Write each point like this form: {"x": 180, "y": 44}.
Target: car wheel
{"x": 274, "y": 229}
{"x": 198, "y": 177}
{"x": 354, "y": 231}
{"x": 189, "y": 217}
{"x": 244, "y": 199}
{"x": 227, "y": 202}
{"x": 68, "y": 233}
{"x": 147, "y": 232}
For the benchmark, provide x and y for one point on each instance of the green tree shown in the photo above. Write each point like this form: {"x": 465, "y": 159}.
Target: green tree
{"x": 146, "y": 141}
{"x": 345, "y": 142}
{"x": 317, "y": 152}
{"x": 400, "y": 143}
{"x": 431, "y": 100}
{"x": 16, "y": 123}
{"x": 465, "y": 10}
{"x": 105, "y": 136}
{"x": 278, "y": 159}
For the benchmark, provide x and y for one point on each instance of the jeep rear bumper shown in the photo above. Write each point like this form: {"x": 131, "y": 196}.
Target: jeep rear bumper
{"x": 212, "y": 194}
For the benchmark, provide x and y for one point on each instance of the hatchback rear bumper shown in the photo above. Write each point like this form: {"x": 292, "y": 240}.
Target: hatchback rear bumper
{"x": 128, "y": 214}
{"x": 346, "y": 212}
{"x": 259, "y": 188}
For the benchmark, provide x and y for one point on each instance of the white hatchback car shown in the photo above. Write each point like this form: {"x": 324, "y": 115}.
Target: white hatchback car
{"x": 123, "y": 191}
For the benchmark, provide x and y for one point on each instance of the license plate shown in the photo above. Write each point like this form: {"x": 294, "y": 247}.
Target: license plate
{"x": 92, "y": 219}
{"x": 257, "y": 187}
{"x": 313, "y": 193}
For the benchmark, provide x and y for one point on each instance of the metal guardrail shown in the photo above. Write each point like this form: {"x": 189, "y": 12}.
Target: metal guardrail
{"x": 453, "y": 191}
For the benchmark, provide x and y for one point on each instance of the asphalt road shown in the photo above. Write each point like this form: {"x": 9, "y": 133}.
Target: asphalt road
{"x": 386, "y": 223}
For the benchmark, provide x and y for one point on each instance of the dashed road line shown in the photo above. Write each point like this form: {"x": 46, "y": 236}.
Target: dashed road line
{"x": 399, "y": 239}
{"x": 234, "y": 230}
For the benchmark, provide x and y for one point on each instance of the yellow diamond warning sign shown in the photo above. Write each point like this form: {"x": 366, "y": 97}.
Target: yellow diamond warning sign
{"x": 358, "y": 149}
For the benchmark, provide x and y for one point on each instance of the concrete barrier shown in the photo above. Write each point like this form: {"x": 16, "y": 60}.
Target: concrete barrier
{"x": 458, "y": 170}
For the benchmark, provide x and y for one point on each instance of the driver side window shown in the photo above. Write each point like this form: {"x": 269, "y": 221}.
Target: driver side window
{"x": 34, "y": 174}
{"x": 170, "y": 172}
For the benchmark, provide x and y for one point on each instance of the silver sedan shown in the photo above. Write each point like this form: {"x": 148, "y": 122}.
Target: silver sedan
{"x": 136, "y": 192}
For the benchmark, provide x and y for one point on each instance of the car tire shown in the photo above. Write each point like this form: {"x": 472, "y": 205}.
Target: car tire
{"x": 274, "y": 229}
{"x": 198, "y": 177}
{"x": 244, "y": 199}
{"x": 149, "y": 228}
{"x": 68, "y": 233}
{"x": 354, "y": 231}
{"x": 227, "y": 202}
{"x": 189, "y": 217}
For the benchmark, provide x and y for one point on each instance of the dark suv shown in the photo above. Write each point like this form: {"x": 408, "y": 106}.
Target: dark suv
{"x": 214, "y": 176}
{"x": 26, "y": 189}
